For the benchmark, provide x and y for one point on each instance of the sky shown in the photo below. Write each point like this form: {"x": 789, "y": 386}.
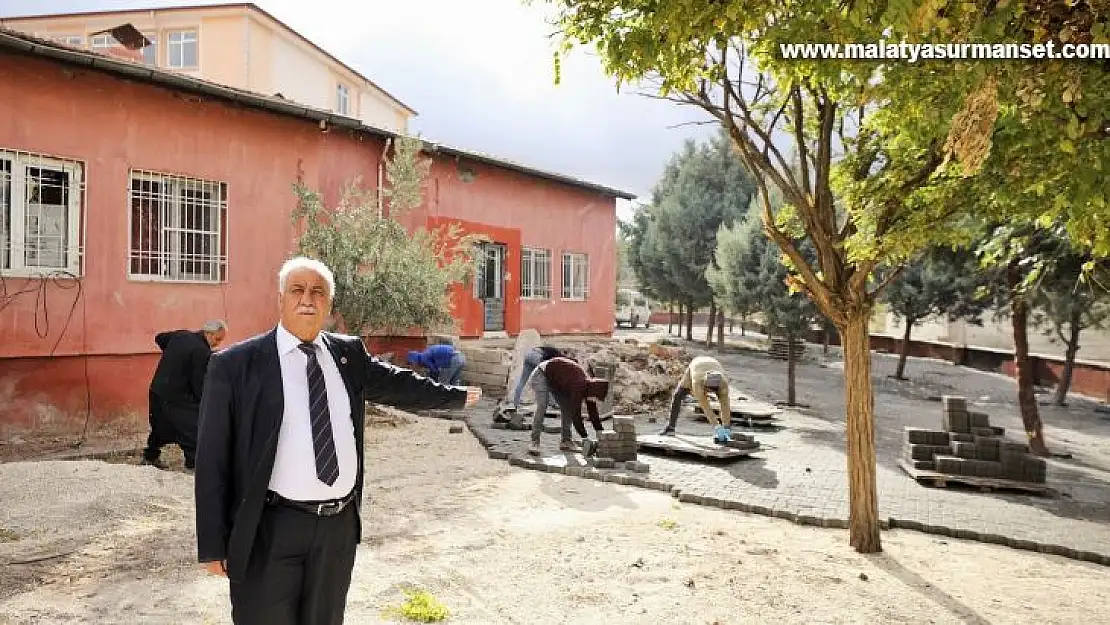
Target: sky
{"x": 481, "y": 77}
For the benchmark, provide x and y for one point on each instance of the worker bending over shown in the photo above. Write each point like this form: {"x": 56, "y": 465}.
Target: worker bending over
{"x": 532, "y": 359}
{"x": 567, "y": 381}
{"x": 444, "y": 363}
{"x": 704, "y": 374}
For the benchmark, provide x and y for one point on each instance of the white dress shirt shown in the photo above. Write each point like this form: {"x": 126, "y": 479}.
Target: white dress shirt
{"x": 294, "y": 474}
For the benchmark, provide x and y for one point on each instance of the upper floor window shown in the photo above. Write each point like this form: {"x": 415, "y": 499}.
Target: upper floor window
{"x": 535, "y": 273}
{"x": 102, "y": 41}
{"x": 40, "y": 214}
{"x": 576, "y": 275}
{"x": 71, "y": 40}
{"x": 150, "y": 53}
{"x": 342, "y": 99}
{"x": 178, "y": 227}
{"x": 181, "y": 49}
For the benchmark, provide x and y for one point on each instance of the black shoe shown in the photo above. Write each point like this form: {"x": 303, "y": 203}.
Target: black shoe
{"x": 667, "y": 432}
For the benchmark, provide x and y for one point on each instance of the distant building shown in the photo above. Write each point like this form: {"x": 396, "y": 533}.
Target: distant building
{"x": 238, "y": 45}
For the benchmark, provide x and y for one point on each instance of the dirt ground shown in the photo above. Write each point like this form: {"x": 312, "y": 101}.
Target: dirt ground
{"x": 498, "y": 544}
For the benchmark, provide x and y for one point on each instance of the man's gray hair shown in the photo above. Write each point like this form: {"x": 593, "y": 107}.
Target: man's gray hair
{"x": 214, "y": 325}
{"x": 304, "y": 262}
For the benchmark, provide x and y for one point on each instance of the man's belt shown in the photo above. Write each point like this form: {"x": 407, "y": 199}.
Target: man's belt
{"x": 331, "y": 507}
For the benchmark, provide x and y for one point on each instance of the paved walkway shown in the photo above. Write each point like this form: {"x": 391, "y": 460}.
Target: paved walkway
{"x": 800, "y": 474}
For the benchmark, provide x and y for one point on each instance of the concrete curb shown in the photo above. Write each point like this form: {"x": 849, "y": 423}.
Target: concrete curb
{"x": 619, "y": 476}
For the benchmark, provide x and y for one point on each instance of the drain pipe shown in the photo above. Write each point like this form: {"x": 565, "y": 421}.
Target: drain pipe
{"x": 381, "y": 176}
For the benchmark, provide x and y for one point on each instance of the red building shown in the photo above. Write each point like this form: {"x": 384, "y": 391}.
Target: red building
{"x": 134, "y": 200}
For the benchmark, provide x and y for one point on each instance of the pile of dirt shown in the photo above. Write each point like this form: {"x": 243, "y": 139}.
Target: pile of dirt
{"x": 646, "y": 373}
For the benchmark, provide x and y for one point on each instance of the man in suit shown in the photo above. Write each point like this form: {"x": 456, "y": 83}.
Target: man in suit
{"x": 176, "y": 388}
{"x": 280, "y": 464}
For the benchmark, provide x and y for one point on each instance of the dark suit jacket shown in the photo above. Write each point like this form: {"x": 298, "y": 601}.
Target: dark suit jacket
{"x": 240, "y": 417}
{"x": 179, "y": 378}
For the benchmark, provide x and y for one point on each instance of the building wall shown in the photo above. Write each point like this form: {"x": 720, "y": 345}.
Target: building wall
{"x": 547, "y": 215}
{"x": 48, "y": 110}
{"x": 93, "y": 345}
{"x": 1094, "y": 344}
{"x": 245, "y": 49}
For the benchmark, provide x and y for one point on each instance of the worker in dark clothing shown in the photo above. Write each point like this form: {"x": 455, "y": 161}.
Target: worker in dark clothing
{"x": 568, "y": 382}
{"x": 532, "y": 359}
{"x": 176, "y": 389}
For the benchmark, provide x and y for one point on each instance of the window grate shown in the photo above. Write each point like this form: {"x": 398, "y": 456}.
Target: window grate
{"x": 535, "y": 273}
{"x": 41, "y": 200}
{"x": 576, "y": 276}
{"x": 178, "y": 227}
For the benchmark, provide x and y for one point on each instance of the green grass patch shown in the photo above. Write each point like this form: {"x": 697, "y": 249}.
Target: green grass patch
{"x": 420, "y": 606}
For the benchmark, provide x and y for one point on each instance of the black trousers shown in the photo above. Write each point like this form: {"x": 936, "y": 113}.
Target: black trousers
{"x": 170, "y": 425}
{"x": 299, "y": 570}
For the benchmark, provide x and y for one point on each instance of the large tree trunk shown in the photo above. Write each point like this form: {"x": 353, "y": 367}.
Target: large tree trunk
{"x": 710, "y": 324}
{"x": 1069, "y": 359}
{"x": 689, "y": 321}
{"x": 790, "y": 397}
{"x": 721, "y": 332}
{"x": 1023, "y": 366}
{"x": 670, "y": 317}
{"x": 863, "y": 520}
{"x": 905, "y": 351}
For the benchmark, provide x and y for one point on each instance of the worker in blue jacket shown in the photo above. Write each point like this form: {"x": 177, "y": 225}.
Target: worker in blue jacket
{"x": 444, "y": 363}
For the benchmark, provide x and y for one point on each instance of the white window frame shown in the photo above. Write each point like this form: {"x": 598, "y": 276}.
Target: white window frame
{"x": 153, "y": 48}
{"x": 570, "y": 290}
{"x": 184, "y": 36}
{"x": 13, "y": 244}
{"x": 168, "y": 257}
{"x": 535, "y": 262}
{"x": 71, "y": 40}
{"x": 342, "y": 99}
{"x": 102, "y": 41}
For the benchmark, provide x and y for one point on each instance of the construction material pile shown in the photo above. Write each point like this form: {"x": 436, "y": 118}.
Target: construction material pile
{"x": 620, "y": 442}
{"x": 970, "y": 446}
{"x": 645, "y": 375}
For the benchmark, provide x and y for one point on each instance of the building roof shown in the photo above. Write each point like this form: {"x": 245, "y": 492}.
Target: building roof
{"x": 249, "y": 6}
{"x": 35, "y": 46}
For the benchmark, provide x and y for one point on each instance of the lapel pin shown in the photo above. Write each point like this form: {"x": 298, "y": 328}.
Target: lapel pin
{"x": 343, "y": 359}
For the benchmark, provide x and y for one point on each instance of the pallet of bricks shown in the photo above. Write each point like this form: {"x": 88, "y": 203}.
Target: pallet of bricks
{"x": 969, "y": 446}
{"x": 619, "y": 446}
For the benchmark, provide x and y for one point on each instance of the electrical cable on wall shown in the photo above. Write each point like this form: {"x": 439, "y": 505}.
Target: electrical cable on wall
{"x": 39, "y": 285}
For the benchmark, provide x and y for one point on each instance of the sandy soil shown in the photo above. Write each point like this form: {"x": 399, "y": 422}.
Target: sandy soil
{"x": 503, "y": 545}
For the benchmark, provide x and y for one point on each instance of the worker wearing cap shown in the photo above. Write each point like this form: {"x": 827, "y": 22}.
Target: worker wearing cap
{"x": 703, "y": 375}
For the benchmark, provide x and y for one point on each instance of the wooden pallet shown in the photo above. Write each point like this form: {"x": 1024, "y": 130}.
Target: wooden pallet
{"x": 692, "y": 445}
{"x": 985, "y": 484}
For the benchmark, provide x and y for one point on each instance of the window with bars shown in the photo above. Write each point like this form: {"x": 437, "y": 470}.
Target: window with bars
{"x": 181, "y": 49}
{"x": 40, "y": 214}
{"x": 535, "y": 273}
{"x": 178, "y": 227}
{"x": 576, "y": 275}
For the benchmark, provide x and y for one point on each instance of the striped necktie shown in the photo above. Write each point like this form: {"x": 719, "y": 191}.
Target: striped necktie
{"x": 327, "y": 463}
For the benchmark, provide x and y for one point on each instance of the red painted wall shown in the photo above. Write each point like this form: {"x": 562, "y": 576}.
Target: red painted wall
{"x": 111, "y": 125}
{"x": 547, "y": 215}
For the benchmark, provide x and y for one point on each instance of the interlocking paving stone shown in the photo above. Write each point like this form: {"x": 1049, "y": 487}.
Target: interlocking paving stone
{"x": 795, "y": 478}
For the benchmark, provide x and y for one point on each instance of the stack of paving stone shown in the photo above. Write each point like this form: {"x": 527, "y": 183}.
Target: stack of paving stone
{"x": 618, "y": 444}
{"x": 743, "y": 441}
{"x": 970, "y": 446}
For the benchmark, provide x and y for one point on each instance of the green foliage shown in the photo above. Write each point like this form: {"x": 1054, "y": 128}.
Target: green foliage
{"x": 386, "y": 278}
{"x": 673, "y": 239}
{"x": 941, "y": 282}
{"x": 420, "y": 606}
